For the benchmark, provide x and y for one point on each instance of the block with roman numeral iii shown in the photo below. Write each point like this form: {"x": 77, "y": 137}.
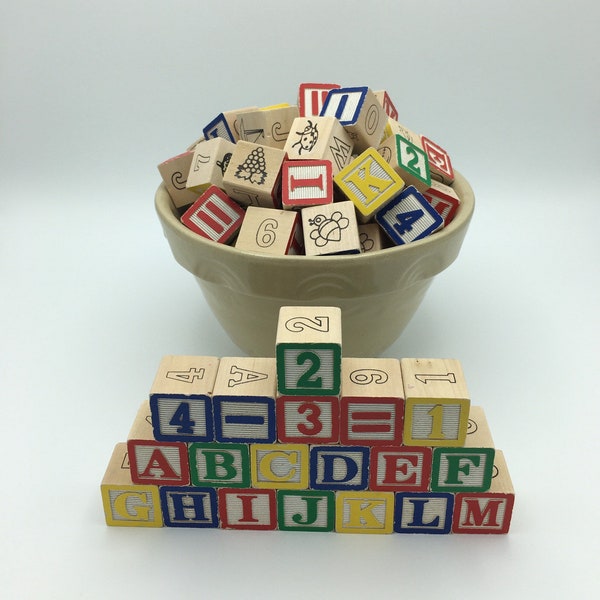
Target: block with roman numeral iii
{"x": 180, "y": 398}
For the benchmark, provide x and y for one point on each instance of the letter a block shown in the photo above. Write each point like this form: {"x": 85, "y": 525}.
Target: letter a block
{"x": 189, "y": 507}
{"x": 436, "y": 411}
{"x": 219, "y": 465}
{"x": 364, "y": 512}
{"x": 180, "y": 401}
{"x": 309, "y": 351}
{"x": 306, "y": 510}
{"x": 369, "y": 182}
{"x": 279, "y": 466}
{"x": 126, "y": 504}
{"x": 248, "y": 509}
{"x": 306, "y": 183}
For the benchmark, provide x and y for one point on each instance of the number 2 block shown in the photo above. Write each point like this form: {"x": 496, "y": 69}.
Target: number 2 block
{"x": 308, "y": 351}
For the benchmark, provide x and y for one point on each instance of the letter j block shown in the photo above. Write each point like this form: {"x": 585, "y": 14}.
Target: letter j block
{"x": 309, "y": 351}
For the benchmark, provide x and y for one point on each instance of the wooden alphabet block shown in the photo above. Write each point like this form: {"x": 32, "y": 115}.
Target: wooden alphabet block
{"x": 444, "y": 200}
{"x": 371, "y": 404}
{"x": 321, "y": 138}
{"x": 189, "y": 507}
{"x": 248, "y": 509}
{"x": 254, "y": 174}
{"x": 209, "y": 163}
{"x": 279, "y": 466}
{"x": 388, "y": 106}
{"x": 126, "y": 504}
{"x": 487, "y": 512}
{"x": 440, "y": 164}
{"x": 436, "y": 411}
{"x": 400, "y": 468}
{"x": 180, "y": 398}
{"x": 330, "y": 229}
{"x": 478, "y": 430}
{"x": 364, "y": 512}
{"x": 360, "y": 112}
{"x": 226, "y": 125}
{"x": 268, "y": 231}
{"x": 408, "y": 160}
{"x": 152, "y": 461}
{"x": 462, "y": 469}
{"x": 369, "y": 182}
{"x": 424, "y": 512}
{"x": 174, "y": 173}
{"x": 309, "y": 350}
{"x": 339, "y": 467}
{"x": 311, "y": 97}
{"x": 306, "y": 183}
{"x": 392, "y": 128}
{"x": 408, "y": 217}
{"x": 268, "y": 126}
{"x": 219, "y": 465}
{"x": 214, "y": 216}
{"x": 308, "y": 419}
{"x": 370, "y": 236}
{"x": 306, "y": 510}
{"x": 244, "y": 400}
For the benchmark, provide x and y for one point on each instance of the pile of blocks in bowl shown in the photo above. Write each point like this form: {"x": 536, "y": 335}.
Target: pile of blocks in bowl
{"x": 335, "y": 174}
{"x": 309, "y": 440}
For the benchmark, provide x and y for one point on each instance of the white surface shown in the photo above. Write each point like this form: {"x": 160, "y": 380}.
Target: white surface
{"x": 95, "y": 94}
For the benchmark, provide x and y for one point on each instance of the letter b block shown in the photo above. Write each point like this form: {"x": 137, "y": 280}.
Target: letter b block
{"x": 309, "y": 350}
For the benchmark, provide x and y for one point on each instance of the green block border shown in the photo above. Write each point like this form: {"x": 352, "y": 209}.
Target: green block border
{"x": 225, "y": 483}
{"x": 487, "y": 475}
{"x": 328, "y": 494}
{"x": 417, "y": 150}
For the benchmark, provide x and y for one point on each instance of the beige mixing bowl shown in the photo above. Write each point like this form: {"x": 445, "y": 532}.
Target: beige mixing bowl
{"x": 378, "y": 292}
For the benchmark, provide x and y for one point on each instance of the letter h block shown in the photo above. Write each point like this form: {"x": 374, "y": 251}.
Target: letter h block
{"x": 180, "y": 399}
{"x": 309, "y": 350}
{"x": 436, "y": 411}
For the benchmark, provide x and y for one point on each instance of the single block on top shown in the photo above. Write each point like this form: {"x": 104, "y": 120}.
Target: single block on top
{"x": 214, "y": 216}
{"x": 309, "y": 350}
{"x": 436, "y": 411}
{"x": 369, "y": 182}
{"x": 306, "y": 183}
{"x": 180, "y": 398}
{"x": 268, "y": 231}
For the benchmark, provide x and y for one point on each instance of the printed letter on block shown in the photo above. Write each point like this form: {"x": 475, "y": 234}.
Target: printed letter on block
{"x": 424, "y": 512}
{"x": 462, "y": 469}
{"x": 306, "y": 183}
{"x": 400, "y": 469}
{"x": 248, "y": 509}
{"x": 440, "y": 165}
{"x": 339, "y": 467}
{"x": 306, "y": 510}
{"x": 364, "y": 512}
{"x": 308, "y": 351}
{"x": 219, "y": 465}
{"x": 311, "y": 97}
{"x": 279, "y": 466}
{"x": 189, "y": 507}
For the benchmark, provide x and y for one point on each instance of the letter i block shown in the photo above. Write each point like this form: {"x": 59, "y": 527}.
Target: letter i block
{"x": 436, "y": 411}
{"x": 308, "y": 419}
{"x": 174, "y": 173}
{"x": 369, "y": 182}
{"x": 400, "y": 468}
{"x": 279, "y": 466}
{"x": 152, "y": 461}
{"x": 311, "y": 97}
{"x": 219, "y": 465}
{"x": 209, "y": 164}
{"x": 364, "y": 512}
{"x": 408, "y": 159}
{"x": 189, "y": 507}
{"x": 244, "y": 400}
{"x": 339, "y": 467}
{"x": 360, "y": 112}
{"x": 306, "y": 183}
{"x": 268, "y": 231}
{"x": 248, "y": 509}
{"x": 462, "y": 469}
{"x": 488, "y": 512}
{"x": 309, "y": 350}
{"x": 440, "y": 164}
{"x": 424, "y": 512}
{"x": 444, "y": 199}
{"x": 180, "y": 402}
{"x": 408, "y": 217}
{"x": 371, "y": 406}
{"x": 254, "y": 174}
{"x": 214, "y": 216}
{"x": 126, "y": 504}
{"x": 306, "y": 510}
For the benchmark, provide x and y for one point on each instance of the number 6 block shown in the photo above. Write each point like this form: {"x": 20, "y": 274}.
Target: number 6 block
{"x": 309, "y": 351}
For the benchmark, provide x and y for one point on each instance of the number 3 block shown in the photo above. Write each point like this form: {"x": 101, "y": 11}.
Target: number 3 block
{"x": 309, "y": 350}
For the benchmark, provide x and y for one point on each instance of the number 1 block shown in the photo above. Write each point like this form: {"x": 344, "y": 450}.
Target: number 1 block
{"x": 309, "y": 351}
{"x": 437, "y": 402}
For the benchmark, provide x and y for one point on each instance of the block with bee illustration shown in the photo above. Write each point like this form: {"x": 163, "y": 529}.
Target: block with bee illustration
{"x": 322, "y": 138}
{"x": 253, "y": 176}
{"x": 268, "y": 126}
{"x": 209, "y": 163}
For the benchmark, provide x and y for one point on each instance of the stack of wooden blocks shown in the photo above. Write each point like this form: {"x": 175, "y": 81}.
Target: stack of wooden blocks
{"x": 310, "y": 441}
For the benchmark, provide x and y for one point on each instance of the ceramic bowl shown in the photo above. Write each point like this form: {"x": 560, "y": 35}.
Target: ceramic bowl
{"x": 378, "y": 292}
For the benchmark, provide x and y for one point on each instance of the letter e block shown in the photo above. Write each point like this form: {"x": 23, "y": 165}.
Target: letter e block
{"x": 189, "y": 507}
{"x": 306, "y": 183}
{"x": 268, "y": 231}
{"x": 400, "y": 468}
{"x": 309, "y": 350}
{"x": 248, "y": 509}
{"x": 436, "y": 411}
{"x": 424, "y": 512}
{"x": 306, "y": 510}
{"x": 219, "y": 465}
{"x": 364, "y": 512}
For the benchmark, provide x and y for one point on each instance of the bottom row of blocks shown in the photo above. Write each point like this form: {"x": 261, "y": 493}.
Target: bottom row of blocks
{"x": 126, "y": 504}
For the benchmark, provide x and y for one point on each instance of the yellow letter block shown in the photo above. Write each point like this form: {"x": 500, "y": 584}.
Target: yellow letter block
{"x": 279, "y": 466}
{"x": 364, "y": 512}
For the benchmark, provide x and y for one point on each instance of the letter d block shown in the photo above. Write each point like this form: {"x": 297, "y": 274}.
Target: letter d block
{"x": 364, "y": 512}
{"x": 219, "y": 465}
{"x": 339, "y": 467}
{"x": 248, "y": 509}
{"x": 304, "y": 510}
{"x": 126, "y": 504}
{"x": 309, "y": 351}
{"x": 437, "y": 402}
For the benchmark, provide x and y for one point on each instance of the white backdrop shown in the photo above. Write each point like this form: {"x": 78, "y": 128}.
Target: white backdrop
{"x": 94, "y": 95}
